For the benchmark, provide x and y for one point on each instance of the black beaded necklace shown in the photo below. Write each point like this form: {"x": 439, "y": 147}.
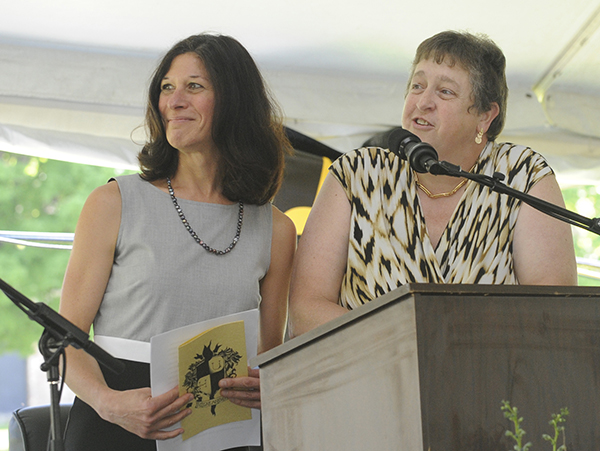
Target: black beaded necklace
{"x": 185, "y": 222}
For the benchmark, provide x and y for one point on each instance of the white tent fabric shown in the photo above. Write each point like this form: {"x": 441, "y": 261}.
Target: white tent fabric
{"x": 74, "y": 74}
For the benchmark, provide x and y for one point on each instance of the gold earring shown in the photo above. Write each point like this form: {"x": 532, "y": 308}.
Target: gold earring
{"x": 479, "y": 136}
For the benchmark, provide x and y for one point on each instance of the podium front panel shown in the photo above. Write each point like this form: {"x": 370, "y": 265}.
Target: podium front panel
{"x": 426, "y": 367}
{"x": 339, "y": 393}
{"x": 540, "y": 353}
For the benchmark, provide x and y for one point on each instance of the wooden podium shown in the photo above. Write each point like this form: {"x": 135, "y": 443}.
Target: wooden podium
{"x": 426, "y": 367}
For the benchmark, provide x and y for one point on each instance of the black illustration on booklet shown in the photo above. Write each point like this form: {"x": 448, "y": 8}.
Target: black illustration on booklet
{"x": 217, "y": 353}
{"x": 203, "y": 376}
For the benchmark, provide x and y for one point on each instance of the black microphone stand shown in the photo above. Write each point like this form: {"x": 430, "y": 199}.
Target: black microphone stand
{"x": 58, "y": 334}
{"x": 495, "y": 184}
{"x": 51, "y": 349}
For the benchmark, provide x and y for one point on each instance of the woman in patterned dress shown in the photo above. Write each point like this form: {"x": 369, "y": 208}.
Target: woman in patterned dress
{"x": 376, "y": 224}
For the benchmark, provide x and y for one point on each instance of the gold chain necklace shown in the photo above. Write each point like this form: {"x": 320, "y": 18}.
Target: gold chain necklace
{"x": 446, "y": 194}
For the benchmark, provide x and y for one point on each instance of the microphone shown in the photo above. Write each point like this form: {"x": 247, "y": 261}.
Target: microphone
{"x": 60, "y": 328}
{"x": 421, "y": 156}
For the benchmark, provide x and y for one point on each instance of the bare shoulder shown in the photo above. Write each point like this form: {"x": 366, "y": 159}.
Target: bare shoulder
{"x": 548, "y": 189}
{"x": 282, "y": 224}
{"x": 107, "y": 196}
{"x": 101, "y": 213}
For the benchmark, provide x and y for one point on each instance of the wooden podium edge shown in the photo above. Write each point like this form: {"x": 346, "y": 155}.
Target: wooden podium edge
{"x": 407, "y": 291}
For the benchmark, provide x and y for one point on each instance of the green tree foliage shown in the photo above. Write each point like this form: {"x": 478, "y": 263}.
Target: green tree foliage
{"x": 585, "y": 200}
{"x": 38, "y": 195}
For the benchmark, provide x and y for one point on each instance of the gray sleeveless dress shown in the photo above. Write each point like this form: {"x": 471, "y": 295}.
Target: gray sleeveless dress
{"x": 162, "y": 279}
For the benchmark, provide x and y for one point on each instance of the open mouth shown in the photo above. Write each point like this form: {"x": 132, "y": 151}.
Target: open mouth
{"x": 420, "y": 121}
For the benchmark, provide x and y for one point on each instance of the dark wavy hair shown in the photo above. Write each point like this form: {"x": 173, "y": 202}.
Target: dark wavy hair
{"x": 482, "y": 59}
{"x": 247, "y": 124}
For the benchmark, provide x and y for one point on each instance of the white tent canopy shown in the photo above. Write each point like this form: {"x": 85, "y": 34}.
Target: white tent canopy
{"x": 74, "y": 73}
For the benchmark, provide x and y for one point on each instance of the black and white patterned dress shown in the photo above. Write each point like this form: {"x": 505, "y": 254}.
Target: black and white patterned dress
{"x": 389, "y": 245}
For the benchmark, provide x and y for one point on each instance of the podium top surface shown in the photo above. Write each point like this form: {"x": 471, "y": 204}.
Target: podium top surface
{"x": 415, "y": 290}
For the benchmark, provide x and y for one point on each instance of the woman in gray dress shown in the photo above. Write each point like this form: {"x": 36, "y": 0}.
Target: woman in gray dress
{"x": 193, "y": 237}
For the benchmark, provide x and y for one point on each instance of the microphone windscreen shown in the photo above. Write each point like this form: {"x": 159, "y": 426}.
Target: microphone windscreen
{"x": 398, "y": 138}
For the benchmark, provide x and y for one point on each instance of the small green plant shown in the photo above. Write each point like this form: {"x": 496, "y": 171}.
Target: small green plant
{"x": 557, "y": 419}
{"x": 512, "y": 414}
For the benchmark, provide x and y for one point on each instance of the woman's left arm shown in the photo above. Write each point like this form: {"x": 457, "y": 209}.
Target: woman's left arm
{"x": 543, "y": 245}
{"x": 274, "y": 288}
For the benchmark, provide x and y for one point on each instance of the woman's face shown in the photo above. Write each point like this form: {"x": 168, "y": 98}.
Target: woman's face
{"x": 437, "y": 107}
{"x": 186, "y": 104}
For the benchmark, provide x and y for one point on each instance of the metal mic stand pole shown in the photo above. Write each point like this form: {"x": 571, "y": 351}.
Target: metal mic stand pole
{"x": 52, "y": 349}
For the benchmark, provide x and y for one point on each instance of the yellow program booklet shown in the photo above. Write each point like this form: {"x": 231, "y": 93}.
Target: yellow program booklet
{"x": 217, "y": 353}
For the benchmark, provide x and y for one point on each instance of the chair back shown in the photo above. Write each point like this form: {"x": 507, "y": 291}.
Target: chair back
{"x": 29, "y": 427}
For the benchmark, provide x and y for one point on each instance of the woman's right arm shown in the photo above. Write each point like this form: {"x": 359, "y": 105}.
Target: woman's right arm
{"x": 320, "y": 261}
{"x": 85, "y": 281}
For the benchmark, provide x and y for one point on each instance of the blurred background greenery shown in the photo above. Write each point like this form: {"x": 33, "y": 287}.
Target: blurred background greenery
{"x": 38, "y": 195}
{"x": 585, "y": 200}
